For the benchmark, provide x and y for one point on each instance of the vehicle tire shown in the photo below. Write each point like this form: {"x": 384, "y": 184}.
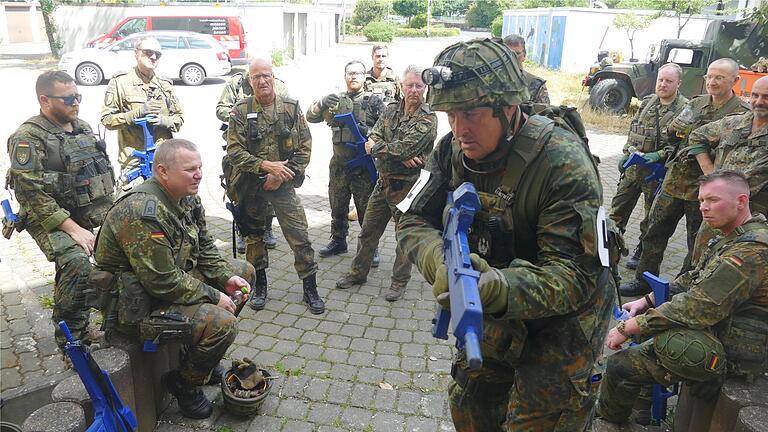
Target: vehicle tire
{"x": 610, "y": 95}
{"x": 192, "y": 74}
{"x": 88, "y": 74}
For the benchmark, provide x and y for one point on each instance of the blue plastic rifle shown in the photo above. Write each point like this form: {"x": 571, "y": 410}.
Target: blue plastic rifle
{"x": 362, "y": 159}
{"x": 8, "y": 214}
{"x": 466, "y": 313}
{"x": 657, "y": 169}
{"x": 146, "y": 157}
{"x": 109, "y": 412}
{"x": 660, "y": 394}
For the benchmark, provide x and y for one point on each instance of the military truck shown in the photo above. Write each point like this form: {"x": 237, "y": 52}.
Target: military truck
{"x": 613, "y": 85}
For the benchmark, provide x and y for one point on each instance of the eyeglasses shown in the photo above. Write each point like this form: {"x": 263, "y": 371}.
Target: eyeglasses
{"x": 149, "y": 53}
{"x": 68, "y": 100}
{"x": 261, "y": 77}
{"x": 715, "y": 78}
{"x": 353, "y": 74}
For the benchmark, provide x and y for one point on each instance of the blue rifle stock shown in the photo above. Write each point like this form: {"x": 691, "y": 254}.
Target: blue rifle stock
{"x": 657, "y": 169}
{"x": 660, "y": 394}
{"x": 362, "y": 159}
{"x": 8, "y": 213}
{"x": 466, "y": 313}
{"x": 146, "y": 157}
{"x": 109, "y": 412}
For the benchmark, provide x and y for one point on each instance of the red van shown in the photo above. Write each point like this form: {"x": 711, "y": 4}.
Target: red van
{"x": 228, "y": 30}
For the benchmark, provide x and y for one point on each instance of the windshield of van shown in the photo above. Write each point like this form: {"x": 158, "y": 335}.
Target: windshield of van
{"x": 132, "y": 26}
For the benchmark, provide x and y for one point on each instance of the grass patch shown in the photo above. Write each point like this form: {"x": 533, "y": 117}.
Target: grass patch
{"x": 46, "y": 301}
{"x": 565, "y": 89}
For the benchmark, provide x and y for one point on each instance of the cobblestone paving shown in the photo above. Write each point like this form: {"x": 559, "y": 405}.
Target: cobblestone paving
{"x": 364, "y": 365}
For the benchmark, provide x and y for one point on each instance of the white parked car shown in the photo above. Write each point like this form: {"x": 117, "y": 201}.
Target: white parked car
{"x": 188, "y": 56}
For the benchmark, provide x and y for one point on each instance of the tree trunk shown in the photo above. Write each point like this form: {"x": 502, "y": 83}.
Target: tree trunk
{"x": 47, "y": 7}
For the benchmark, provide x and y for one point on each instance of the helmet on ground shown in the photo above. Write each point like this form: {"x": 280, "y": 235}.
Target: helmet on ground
{"x": 476, "y": 73}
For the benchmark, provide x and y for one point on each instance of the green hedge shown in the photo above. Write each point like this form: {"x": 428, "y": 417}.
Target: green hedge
{"x": 422, "y": 32}
{"x": 380, "y": 31}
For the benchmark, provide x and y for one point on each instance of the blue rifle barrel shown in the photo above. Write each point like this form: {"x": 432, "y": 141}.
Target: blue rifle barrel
{"x": 8, "y": 213}
{"x": 147, "y": 156}
{"x": 362, "y": 159}
{"x": 466, "y": 314}
{"x": 659, "y": 393}
{"x": 657, "y": 168}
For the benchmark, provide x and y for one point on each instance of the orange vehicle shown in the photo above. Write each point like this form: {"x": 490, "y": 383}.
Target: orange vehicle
{"x": 228, "y": 30}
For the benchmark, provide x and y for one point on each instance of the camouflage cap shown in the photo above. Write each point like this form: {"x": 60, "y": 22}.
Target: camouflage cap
{"x": 480, "y": 73}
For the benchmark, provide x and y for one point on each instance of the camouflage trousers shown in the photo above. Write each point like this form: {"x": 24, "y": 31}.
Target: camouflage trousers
{"x": 293, "y": 222}
{"x": 631, "y": 372}
{"x": 71, "y": 282}
{"x": 381, "y": 208}
{"x": 631, "y": 184}
{"x": 213, "y": 331}
{"x": 343, "y": 186}
{"x": 666, "y": 212}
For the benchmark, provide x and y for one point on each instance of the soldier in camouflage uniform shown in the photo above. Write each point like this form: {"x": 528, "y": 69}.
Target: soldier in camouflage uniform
{"x": 545, "y": 314}
{"x": 269, "y": 146}
{"x": 647, "y": 134}
{"x": 344, "y": 184}
{"x": 64, "y": 183}
{"x": 740, "y": 143}
{"x": 156, "y": 244}
{"x": 537, "y": 87}
{"x": 137, "y": 93}
{"x": 400, "y": 142}
{"x": 679, "y": 190}
{"x": 380, "y": 79}
{"x": 717, "y": 325}
{"x": 239, "y": 87}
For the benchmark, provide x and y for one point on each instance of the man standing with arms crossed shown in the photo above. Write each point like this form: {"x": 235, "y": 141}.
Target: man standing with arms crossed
{"x": 269, "y": 145}
{"x": 679, "y": 190}
{"x": 136, "y": 93}
{"x": 400, "y": 142}
{"x": 648, "y": 135}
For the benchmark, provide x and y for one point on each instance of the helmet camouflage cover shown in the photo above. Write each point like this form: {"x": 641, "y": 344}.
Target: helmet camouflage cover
{"x": 483, "y": 73}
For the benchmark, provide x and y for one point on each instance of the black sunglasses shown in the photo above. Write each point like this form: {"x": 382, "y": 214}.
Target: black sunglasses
{"x": 68, "y": 100}
{"x": 149, "y": 53}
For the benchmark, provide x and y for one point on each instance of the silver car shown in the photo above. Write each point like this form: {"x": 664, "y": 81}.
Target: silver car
{"x": 187, "y": 56}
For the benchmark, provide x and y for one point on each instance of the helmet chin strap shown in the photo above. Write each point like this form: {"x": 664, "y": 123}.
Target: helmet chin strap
{"x": 506, "y": 125}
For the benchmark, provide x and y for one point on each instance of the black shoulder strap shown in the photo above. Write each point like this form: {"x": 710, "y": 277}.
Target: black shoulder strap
{"x": 529, "y": 143}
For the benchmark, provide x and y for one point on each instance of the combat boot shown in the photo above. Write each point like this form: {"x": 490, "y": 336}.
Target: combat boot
{"x": 634, "y": 288}
{"x": 259, "y": 295}
{"x": 269, "y": 238}
{"x": 215, "y": 377}
{"x": 311, "y": 297}
{"x": 349, "y": 280}
{"x": 240, "y": 243}
{"x": 192, "y": 401}
{"x": 337, "y": 245}
{"x": 396, "y": 290}
{"x": 376, "y": 259}
{"x": 634, "y": 260}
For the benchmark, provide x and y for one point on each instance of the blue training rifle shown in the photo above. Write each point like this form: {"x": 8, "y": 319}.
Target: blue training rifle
{"x": 466, "y": 313}
{"x": 657, "y": 169}
{"x": 660, "y": 394}
{"x": 146, "y": 157}
{"x": 8, "y": 213}
{"x": 110, "y": 415}
{"x": 362, "y": 159}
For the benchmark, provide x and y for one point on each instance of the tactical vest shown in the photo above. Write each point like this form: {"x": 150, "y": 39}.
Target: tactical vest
{"x": 745, "y": 333}
{"x": 78, "y": 174}
{"x": 534, "y": 86}
{"x": 279, "y": 131}
{"x": 750, "y": 156}
{"x": 648, "y": 138}
{"x": 386, "y": 90}
{"x": 359, "y": 108}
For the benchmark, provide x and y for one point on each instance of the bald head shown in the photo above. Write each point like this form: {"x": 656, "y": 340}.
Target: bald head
{"x": 262, "y": 81}
{"x": 722, "y": 75}
{"x": 758, "y": 100}
{"x": 728, "y": 64}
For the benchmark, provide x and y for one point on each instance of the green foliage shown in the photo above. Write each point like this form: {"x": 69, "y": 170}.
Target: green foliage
{"x": 46, "y": 8}
{"x": 631, "y": 23}
{"x": 532, "y": 4}
{"x": 422, "y": 32}
{"x": 367, "y": 11}
{"x": 46, "y": 301}
{"x": 409, "y": 8}
{"x": 682, "y": 10}
{"x": 449, "y": 7}
{"x": 482, "y": 13}
{"x": 418, "y": 21}
{"x": 380, "y": 31}
{"x": 277, "y": 58}
{"x": 496, "y": 26}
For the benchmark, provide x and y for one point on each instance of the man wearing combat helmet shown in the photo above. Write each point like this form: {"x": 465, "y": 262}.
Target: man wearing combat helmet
{"x": 545, "y": 305}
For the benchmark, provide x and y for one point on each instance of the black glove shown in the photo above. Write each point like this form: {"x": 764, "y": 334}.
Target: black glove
{"x": 329, "y": 101}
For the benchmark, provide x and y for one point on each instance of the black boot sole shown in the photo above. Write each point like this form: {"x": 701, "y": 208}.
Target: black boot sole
{"x": 328, "y": 254}
{"x": 257, "y": 307}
